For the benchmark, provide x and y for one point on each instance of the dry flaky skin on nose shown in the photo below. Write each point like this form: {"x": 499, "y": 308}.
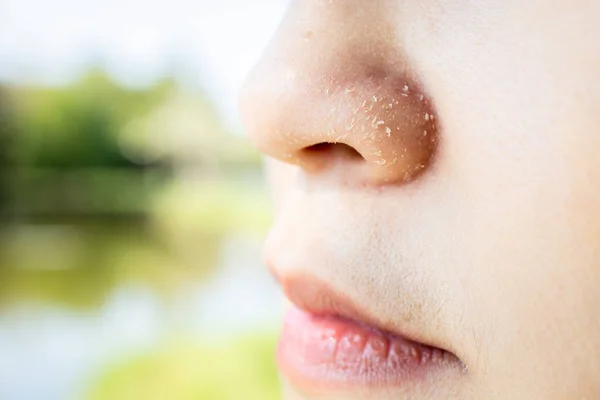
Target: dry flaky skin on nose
{"x": 390, "y": 123}
{"x": 341, "y": 79}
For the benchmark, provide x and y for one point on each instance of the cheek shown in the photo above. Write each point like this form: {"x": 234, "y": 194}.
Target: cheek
{"x": 531, "y": 285}
{"x": 521, "y": 172}
{"x": 530, "y": 199}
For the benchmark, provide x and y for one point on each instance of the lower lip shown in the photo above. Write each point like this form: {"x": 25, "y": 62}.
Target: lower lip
{"x": 332, "y": 352}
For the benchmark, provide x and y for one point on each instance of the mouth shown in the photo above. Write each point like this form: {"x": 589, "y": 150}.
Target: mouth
{"x": 328, "y": 343}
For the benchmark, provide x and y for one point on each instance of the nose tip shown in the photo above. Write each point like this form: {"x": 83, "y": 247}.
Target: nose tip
{"x": 388, "y": 122}
{"x": 335, "y": 108}
{"x": 366, "y": 131}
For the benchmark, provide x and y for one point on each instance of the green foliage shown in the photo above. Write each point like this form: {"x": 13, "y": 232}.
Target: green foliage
{"x": 77, "y": 126}
{"x": 97, "y": 148}
{"x": 228, "y": 370}
{"x": 6, "y": 128}
{"x": 6, "y": 125}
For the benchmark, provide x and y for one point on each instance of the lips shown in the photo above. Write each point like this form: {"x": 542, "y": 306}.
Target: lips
{"x": 327, "y": 342}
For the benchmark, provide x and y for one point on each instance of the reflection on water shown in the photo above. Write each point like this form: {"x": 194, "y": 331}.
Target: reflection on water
{"x": 63, "y": 322}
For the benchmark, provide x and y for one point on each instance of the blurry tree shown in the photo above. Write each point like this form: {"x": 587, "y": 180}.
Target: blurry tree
{"x": 6, "y": 138}
{"x": 78, "y": 126}
{"x": 97, "y": 148}
{"x": 67, "y": 154}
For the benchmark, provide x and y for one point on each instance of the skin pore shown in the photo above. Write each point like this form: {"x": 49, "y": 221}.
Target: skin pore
{"x": 436, "y": 162}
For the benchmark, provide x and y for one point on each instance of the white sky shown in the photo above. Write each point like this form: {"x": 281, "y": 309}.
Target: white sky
{"x": 214, "y": 42}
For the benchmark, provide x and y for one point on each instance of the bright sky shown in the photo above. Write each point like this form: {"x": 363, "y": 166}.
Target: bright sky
{"x": 214, "y": 42}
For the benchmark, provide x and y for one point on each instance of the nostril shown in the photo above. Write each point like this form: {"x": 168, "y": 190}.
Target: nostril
{"x": 332, "y": 151}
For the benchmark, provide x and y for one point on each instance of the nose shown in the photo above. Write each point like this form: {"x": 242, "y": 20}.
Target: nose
{"x": 335, "y": 93}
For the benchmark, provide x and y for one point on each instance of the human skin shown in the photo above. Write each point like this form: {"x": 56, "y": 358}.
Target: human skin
{"x": 482, "y": 239}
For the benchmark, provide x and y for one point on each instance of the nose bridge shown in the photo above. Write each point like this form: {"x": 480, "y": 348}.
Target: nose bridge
{"x": 332, "y": 75}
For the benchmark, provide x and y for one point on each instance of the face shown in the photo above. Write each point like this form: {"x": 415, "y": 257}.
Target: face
{"x": 436, "y": 178}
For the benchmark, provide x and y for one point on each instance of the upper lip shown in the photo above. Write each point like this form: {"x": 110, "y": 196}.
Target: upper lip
{"x": 320, "y": 298}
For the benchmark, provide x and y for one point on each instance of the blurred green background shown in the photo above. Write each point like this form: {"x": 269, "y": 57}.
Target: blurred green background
{"x": 132, "y": 212}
